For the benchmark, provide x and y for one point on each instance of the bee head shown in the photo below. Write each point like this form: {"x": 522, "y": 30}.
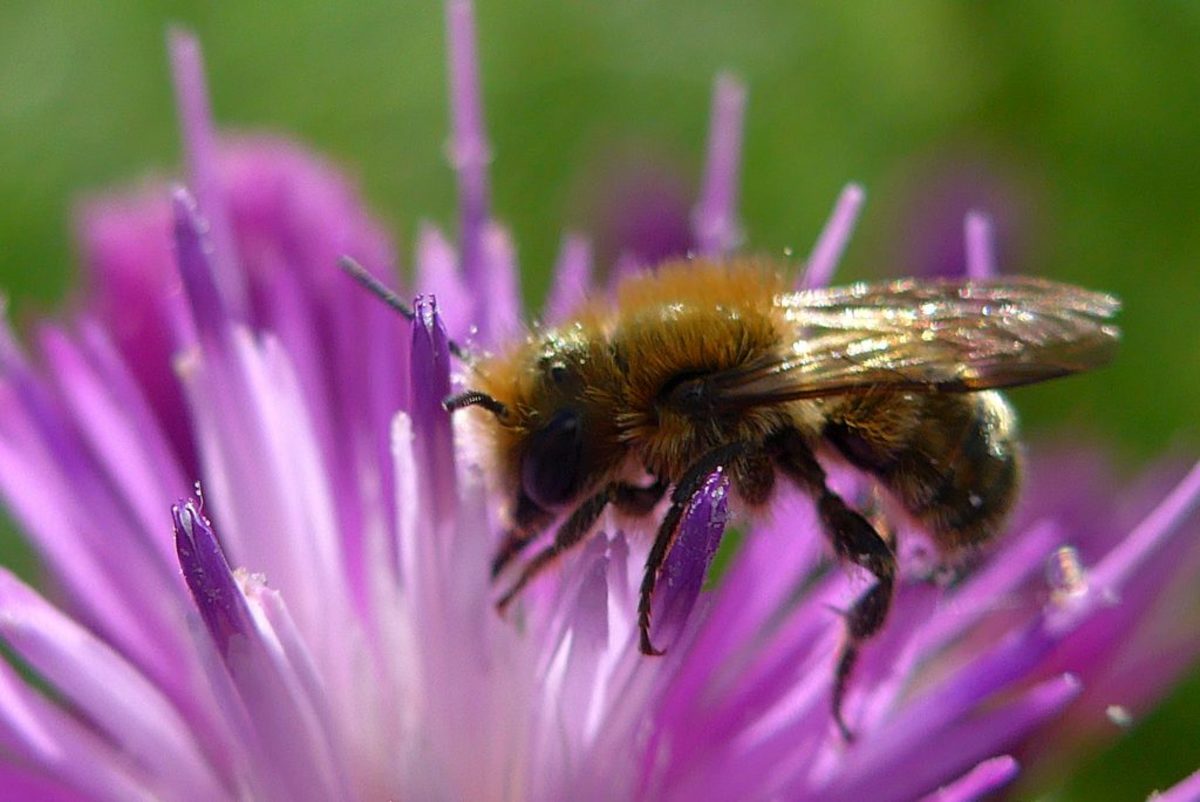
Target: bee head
{"x": 552, "y": 462}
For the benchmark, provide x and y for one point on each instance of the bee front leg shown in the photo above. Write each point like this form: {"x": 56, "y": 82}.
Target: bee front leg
{"x": 529, "y": 521}
{"x": 853, "y": 539}
{"x": 578, "y": 524}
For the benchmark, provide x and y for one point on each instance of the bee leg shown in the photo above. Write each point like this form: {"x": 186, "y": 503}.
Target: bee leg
{"x": 570, "y": 533}
{"x": 529, "y": 521}
{"x": 853, "y": 539}
{"x": 681, "y": 496}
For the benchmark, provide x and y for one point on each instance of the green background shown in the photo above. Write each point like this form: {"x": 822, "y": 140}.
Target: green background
{"x": 1083, "y": 120}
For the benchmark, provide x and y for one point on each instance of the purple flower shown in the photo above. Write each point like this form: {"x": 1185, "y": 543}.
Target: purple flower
{"x": 321, "y": 626}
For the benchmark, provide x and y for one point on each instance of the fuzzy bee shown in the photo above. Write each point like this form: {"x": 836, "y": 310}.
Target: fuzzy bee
{"x": 702, "y": 365}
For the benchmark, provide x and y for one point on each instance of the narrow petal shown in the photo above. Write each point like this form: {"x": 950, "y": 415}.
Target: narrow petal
{"x": 572, "y": 279}
{"x": 195, "y": 115}
{"x": 431, "y": 423}
{"x": 194, "y": 256}
{"x": 831, "y": 243}
{"x": 912, "y": 766}
{"x": 209, "y": 578}
{"x": 715, "y": 217}
{"x": 501, "y": 314}
{"x": 1186, "y": 791}
{"x": 40, "y": 734}
{"x": 112, "y": 693}
{"x": 981, "y": 248}
{"x": 285, "y": 718}
{"x": 469, "y": 151}
{"x": 988, "y": 776}
{"x": 687, "y": 562}
{"x": 438, "y": 275}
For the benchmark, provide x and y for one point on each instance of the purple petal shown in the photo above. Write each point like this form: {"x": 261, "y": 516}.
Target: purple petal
{"x": 195, "y": 115}
{"x": 37, "y": 733}
{"x": 1187, "y": 790}
{"x": 715, "y": 217}
{"x": 430, "y": 421}
{"x": 988, "y": 776}
{"x": 687, "y": 562}
{"x": 572, "y": 279}
{"x": 194, "y": 257}
{"x": 288, "y": 734}
{"x": 912, "y": 766}
{"x": 468, "y": 149}
{"x": 502, "y": 313}
{"x": 112, "y": 693}
{"x": 438, "y": 275}
{"x": 834, "y": 237}
{"x": 981, "y": 250}
{"x": 209, "y": 579}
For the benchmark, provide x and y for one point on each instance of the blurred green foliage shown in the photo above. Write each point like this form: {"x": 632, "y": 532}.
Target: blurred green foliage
{"x": 1085, "y": 114}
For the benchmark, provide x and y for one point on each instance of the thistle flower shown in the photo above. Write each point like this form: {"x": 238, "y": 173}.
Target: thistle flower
{"x": 320, "y": 626}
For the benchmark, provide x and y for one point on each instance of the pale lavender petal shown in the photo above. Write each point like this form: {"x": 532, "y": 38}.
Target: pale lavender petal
{"x": 715, "y": 217}
{"x": 286, "y": 726}
{"x": 191, "y": 95}
{"x": 121, "y": 433}
{"x": 39, "y": 734}
{"x": 572, "y": 279}
{"x": 1151, "y": 535}
{"x": 988, "y": 776}
{"x": 501, "y": 314}
{"x": 468, "y": 148}
{"x": 1187, "y": 790}
{"x": 981, "y": 250}
{"x": 438, "y": 275}
{"x": 834, "y": 238}
{"x": 113, "y": 694}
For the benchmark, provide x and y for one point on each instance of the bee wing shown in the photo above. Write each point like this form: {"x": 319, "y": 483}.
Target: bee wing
{"x": 927, "y": 336}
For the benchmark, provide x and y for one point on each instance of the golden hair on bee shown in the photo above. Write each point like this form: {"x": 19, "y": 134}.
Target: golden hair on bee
{"x": 701, "y": 365}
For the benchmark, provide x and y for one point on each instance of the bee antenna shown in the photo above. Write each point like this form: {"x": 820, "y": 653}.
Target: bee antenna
{"x": 376, "y": 287}
{"x": 474, "y": 398}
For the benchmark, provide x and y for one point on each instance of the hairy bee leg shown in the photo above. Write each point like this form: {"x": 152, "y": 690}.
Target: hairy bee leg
{"x": 681, "y": 496}
{"x": 529, "y": 521}
{"x": 569, "y": 534}
{"x": 853, "y": 539}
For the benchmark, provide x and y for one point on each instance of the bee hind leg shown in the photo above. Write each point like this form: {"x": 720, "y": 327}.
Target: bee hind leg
{"x": 853, "y": 539}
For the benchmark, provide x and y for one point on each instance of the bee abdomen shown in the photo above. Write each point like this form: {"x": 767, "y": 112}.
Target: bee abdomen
{"x": 953, "y": 463}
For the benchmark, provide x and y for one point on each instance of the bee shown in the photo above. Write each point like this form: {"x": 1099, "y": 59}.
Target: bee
{"x": 702, "y": 365}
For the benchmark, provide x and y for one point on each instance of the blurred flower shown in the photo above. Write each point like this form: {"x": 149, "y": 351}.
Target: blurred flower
{"x": 323, "y": 628}
{"x": 934, "y": 196}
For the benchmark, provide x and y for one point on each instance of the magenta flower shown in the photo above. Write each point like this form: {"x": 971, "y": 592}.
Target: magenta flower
{"x": 321, "y": 625}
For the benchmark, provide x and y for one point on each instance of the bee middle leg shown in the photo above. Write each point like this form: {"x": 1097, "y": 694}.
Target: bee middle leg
{"x": 853, "y": 539}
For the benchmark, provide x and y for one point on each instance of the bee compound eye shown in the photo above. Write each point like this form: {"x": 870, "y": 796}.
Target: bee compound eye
{"x": 552, "y": 464}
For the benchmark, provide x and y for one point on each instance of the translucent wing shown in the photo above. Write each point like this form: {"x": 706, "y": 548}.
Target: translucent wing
{"x": 927, "y": 336}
